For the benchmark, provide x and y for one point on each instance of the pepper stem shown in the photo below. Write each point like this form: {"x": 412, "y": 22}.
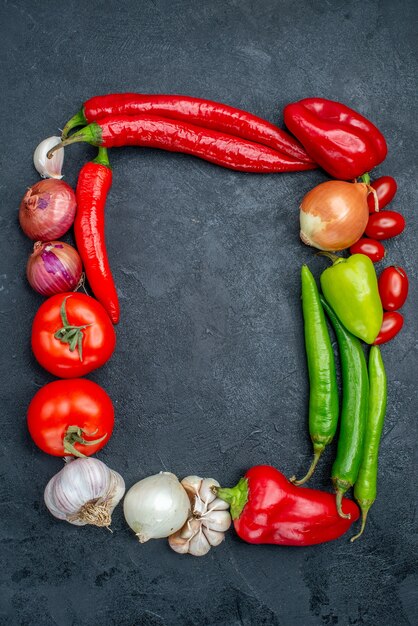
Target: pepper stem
{"x": 339, "y": 502}
{"x": 75, "y": 435}
{"x": 364, "y": 512}
{"x": 90, "y": 134}
{"x": 317, "y": 456}
{"x": 79, "y": 119}
{"x": 365, "y": 178}
{"x": 237, "y": 497}
{"x": 329, "y": 255}
{"x": 102, "y": 157}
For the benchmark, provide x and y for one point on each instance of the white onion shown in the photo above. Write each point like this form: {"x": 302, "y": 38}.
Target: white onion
{"x": 156, "y": 506}
{"x": 48, "y": 168}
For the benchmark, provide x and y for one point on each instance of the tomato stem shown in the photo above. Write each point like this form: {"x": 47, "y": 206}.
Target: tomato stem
{"x": 73, "y": 335}
{"x": 74, "y": 435}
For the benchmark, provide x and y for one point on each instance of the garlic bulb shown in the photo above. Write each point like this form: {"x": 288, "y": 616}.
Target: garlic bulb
{"x": 48, "y": 168}
{"x": 85, "y": 491}
{"x": 156, "y": 506}
{"x": 208, "y": 521}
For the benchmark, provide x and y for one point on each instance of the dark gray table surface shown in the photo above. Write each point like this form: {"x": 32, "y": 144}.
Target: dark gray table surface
{"x": 209, "y": 374}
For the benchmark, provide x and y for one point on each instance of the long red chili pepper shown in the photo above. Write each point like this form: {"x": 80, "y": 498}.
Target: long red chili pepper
{"x": 198, "y": 111}
{"x": 94, "y": 182}
{"x": 267, "y": 508}
{"x": 160, "y": 132}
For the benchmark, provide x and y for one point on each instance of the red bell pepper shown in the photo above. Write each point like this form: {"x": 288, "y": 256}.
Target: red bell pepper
{"x": 268, "y": 508}
{"x": 343, "y": 142}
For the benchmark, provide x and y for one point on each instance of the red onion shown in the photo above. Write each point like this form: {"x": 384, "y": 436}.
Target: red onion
{"x": 53, "y": 267}
{"x": 47, "y": 210}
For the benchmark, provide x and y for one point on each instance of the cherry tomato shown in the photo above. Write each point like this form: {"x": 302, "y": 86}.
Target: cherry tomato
{"x": 370, "y": 247}
{"x": 385, "y": 225}
{"x": 67, "y": 417}
{"x": 65, "y": 351}
{"x": 393, "y": 288}
{"x": 386, "y": 189}
{"x": 392, "y": 324}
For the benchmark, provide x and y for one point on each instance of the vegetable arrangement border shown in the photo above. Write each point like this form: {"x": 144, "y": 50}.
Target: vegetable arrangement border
{"x": 73, "y": 334}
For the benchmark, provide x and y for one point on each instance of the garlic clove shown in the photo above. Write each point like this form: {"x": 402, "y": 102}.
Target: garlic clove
{"x": 178, "y": 544}
{"x": 199, "y": 545}
{"x": 192, "y": 485}
{"x": 214, "y": 537}
{"x": 217, "y": 520}
{"x": 205, "y": 490}
{"x": 191, "y": 527}
{"x": 218, "y": 505}
{"x": 49, "y": 168}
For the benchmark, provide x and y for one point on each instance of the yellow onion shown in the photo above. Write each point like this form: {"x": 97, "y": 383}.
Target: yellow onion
{"x": 334, "y": 215}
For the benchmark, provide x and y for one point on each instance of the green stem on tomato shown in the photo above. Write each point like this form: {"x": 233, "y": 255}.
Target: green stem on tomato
{"x": 75, "y": 435}
{"x": 72, "y": 335}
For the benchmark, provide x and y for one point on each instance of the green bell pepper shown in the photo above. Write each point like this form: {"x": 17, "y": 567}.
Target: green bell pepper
{"x": 350, "y": 287}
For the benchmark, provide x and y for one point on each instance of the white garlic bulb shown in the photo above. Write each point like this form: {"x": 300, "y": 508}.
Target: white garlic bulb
{"x": 85, "y": 491}
{"x": 208, "y": 522}
{"x": 49, "y": 168}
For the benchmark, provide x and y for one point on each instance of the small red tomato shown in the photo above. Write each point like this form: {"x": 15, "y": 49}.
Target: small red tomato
{"x": 68, "y": 417}
{"x": 386, "y": 189}
{"x": 392, "y": 324}
{"x": 370, "y": 247}
{"x": 393, "y": 288}
{"x": 385, "y": 224}
{"x": 72, "y": 335}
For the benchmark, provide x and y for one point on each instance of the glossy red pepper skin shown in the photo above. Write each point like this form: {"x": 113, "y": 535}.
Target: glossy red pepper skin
{"x": 343, "y": 142}
{"x": 370, "y": 247}
{"x": 278, "y": 512}
{"x": 94, "y": 182}
{"x": 385, "y": 224}
{"x": 200, "y": 112}
{"x": 391, "y": 326}
{"x": 158, "y": 132}
{"x": 386, "y": 189}
{"x": 393, "y": 288}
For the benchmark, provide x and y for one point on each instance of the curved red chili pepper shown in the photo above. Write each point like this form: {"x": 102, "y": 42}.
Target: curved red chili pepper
{"x": 159, "y": 132}
{"x": 198, "y": 111}
{"x": 94, "y": 182}
{"x": 267, "y": 508}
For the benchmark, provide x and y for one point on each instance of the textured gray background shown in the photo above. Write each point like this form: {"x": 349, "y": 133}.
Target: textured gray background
{"x": 209, "y": 374}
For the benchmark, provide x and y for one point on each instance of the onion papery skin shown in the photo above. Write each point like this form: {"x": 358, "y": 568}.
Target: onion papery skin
{"x": 47, "y": 210}
{"x": 53, "y": 267}
{"x": 334, "y": 215}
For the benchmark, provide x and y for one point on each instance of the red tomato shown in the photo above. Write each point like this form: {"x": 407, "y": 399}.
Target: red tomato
{"x": 386, "y": 189}
{"x": 385, "y": 225}
{"x": 64, "y": 414}
{"x": 96, "y": 336}
{"x": 370, "y": 247}
{"x": 393, "y": 288}
{"x": 392, "y": 324}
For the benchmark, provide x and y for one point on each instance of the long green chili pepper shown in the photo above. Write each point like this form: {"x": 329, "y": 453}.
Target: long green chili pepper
{"x": 323, "y": 393}
{"x": 365, "y": 487}
{"x": 353, "y": 418}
